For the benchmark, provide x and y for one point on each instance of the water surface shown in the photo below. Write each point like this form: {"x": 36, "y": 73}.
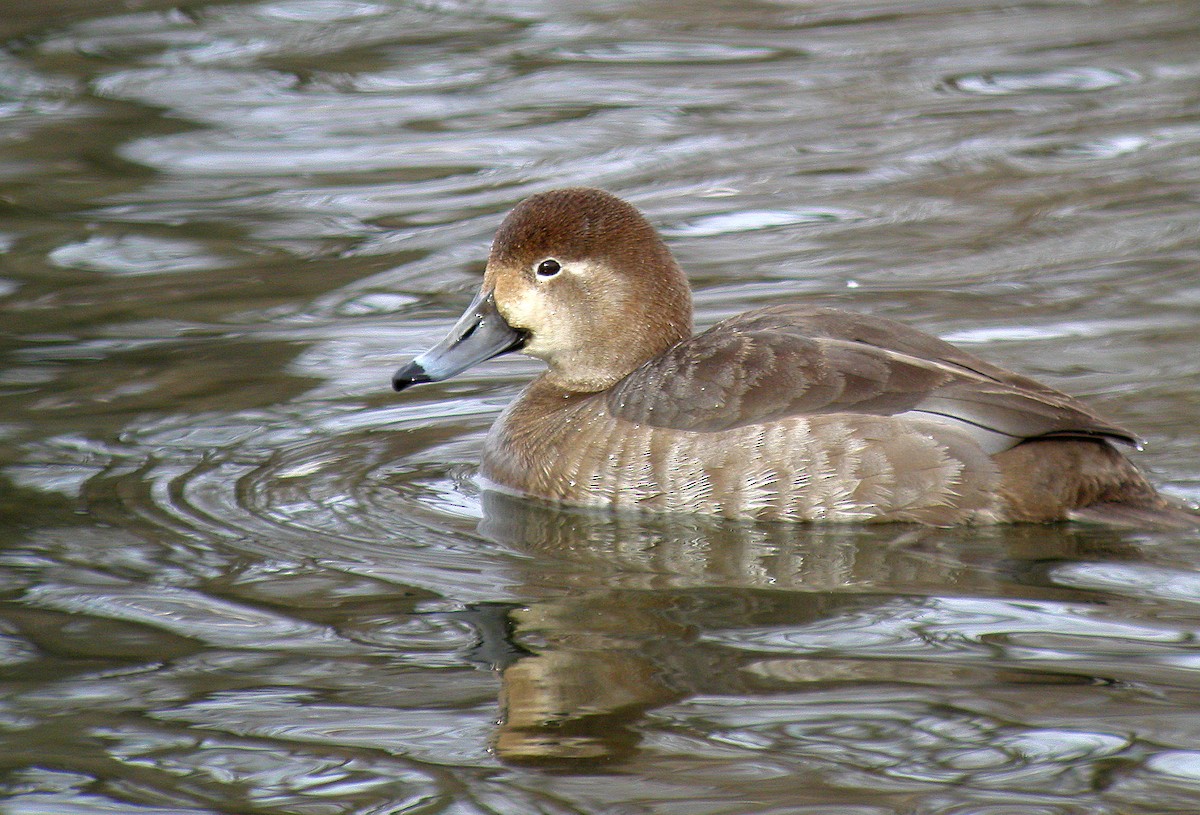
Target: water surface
{"x": 240, "y": 575}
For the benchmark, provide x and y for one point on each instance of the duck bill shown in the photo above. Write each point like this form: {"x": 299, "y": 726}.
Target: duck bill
{"x": 480, "y": 334}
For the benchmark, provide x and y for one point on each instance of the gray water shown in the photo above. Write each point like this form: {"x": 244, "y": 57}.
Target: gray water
{"x": 241, "y": 576}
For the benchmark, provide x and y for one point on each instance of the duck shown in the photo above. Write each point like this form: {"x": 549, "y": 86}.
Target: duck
{"x": 792, "y": 412}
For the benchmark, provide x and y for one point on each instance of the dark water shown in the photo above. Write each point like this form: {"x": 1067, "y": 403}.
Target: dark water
{"x": 241, "y": 576}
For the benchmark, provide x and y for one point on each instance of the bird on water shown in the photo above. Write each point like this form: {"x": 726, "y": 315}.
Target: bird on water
{"x": 789, "y": 412}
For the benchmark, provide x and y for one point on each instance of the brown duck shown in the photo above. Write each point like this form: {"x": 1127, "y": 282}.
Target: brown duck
{"x": 790, "y": 412}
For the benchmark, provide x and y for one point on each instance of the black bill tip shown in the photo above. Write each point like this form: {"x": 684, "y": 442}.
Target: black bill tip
{"x": 410, "y": 374}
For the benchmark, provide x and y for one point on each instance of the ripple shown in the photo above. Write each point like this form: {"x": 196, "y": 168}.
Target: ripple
{"x": 1141, "y": 580}
{"x": 372, "y": 303}
{"x": 136, "y": 255}
{"x": 64, "y": 464}
{"x": 196, "y": 88}
{"x": 1065, "y": 745}
{"x": 1056, "y": 80}
{"x": 1042, "y": 635}
{"x": 658, "y": 52}
{"x": 876, "y": 741}
{"x": 1183, "y": 765}
{"x": 346, "y": 486}
{"x": 418, "y": 633}
{"x": 157, "y": 749}
{"x": 1100, "y": 149}
{"x": 284, "y": 775}
{"x": 1031, "y": 807}
{"x": 15, "y": 650}
{"x": 64, "y": 478}
{"x": 80, "y": 803}
{"x": 252, "y": 33}
{"x": 457, "y": 737}
{"x": 319, "y": 11}
{"x": 1027, "y": 333}
{"x": 189, "y": 614}
{"x": 223, "y": 153}
{"x": 753, "y": 220}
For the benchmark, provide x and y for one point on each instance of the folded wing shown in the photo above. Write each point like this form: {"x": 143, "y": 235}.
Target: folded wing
{"x": 788, "y": 361}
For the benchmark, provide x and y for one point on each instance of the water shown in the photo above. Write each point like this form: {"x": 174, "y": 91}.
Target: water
{"x": 240, "y": 575}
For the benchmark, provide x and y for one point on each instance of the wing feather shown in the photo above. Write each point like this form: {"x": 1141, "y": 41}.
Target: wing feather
{"x": 788, "y": 361}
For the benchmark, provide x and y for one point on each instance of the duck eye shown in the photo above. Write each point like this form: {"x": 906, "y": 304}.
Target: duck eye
{"x": 548, "y": 268}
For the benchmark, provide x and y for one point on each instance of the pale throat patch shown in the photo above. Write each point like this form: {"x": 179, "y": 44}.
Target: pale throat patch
{"x": 528, "y": 307}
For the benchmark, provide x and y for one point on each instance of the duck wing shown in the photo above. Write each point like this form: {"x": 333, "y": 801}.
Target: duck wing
{"x": 789, "y": 361}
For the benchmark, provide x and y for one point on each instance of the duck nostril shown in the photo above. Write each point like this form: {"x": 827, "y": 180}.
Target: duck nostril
{"x": 470, "y": 331}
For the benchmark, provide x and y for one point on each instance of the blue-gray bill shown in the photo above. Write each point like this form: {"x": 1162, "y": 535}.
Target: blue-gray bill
{"x": 479, "y": 335}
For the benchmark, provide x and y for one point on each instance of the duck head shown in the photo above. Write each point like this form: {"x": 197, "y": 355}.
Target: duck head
{"x": 578, "y": 278}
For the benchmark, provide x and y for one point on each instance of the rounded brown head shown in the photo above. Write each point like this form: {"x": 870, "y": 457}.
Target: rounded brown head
{"x": 576, "y": 277}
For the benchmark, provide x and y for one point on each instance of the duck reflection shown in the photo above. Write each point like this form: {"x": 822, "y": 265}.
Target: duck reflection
{"x": 633, "y": 613}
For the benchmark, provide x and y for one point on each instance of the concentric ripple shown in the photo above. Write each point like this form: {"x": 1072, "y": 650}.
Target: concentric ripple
{"x": 288, "y": 485}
